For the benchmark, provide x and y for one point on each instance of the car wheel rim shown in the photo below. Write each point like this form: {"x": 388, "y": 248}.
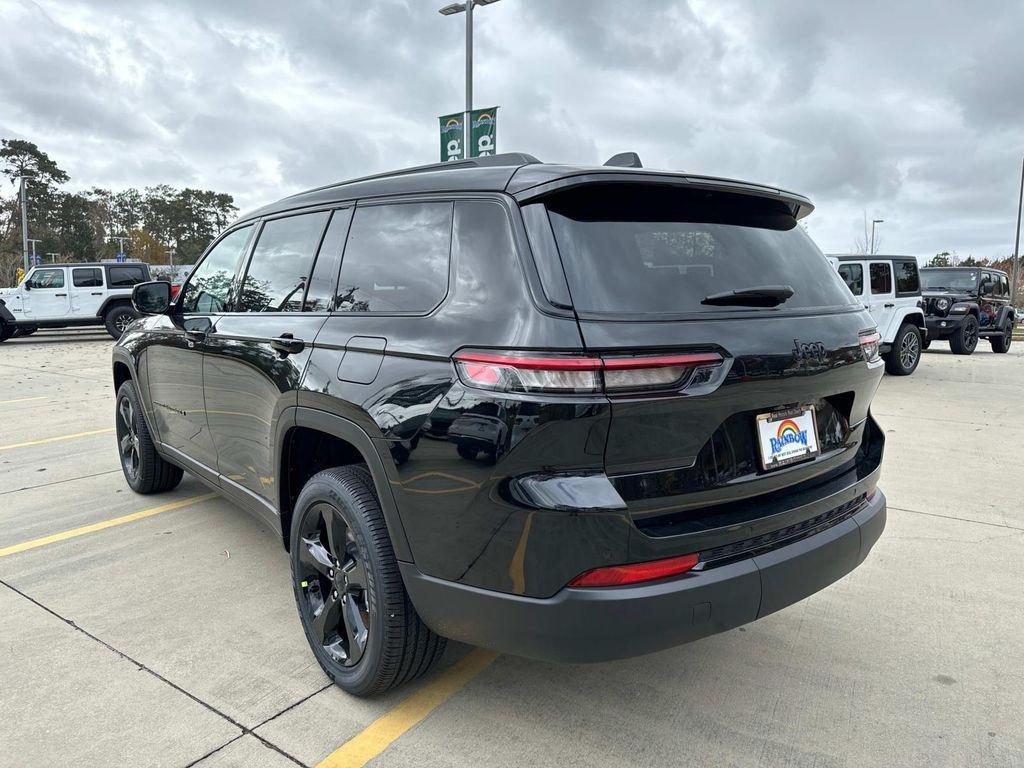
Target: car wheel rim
{"x": 910, "y": 348}
{"x": 970, "y": 336}
{"x": 122, "y": 321}
{"x": 128, "y": 437}
{"x": 333, "y": 586}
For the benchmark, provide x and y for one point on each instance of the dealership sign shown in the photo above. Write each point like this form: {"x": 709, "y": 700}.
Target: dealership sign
{"x": 483, "y": 135}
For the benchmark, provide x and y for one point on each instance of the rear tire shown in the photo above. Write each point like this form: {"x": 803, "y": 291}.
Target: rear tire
{"x": 144, "y": 469}
{"x": 6, "y": 331}
{"x": 117, "y": 319}
{"x": 1001, "y": 344}
{"x": 355, "y": 612}
{"x": 905, "y": 354}
{"x": 965, "y": 340}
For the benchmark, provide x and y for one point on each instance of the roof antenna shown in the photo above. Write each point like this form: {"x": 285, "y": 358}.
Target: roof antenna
{"x": 625, "y": 160}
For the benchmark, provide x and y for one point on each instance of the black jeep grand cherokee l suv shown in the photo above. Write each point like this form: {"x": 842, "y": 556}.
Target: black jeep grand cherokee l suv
{"x": 569, "y": 413}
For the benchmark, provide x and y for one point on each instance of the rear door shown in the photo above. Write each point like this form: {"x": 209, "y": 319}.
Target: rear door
{"x": 644, "y": 266}
{"x": 46, "y": 294}
{"x": 255, "y": 356}
{"x": 87, "y": 291}
{"x": 882, "y": 297}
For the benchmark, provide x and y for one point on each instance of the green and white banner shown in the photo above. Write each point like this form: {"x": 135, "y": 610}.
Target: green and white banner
{"x": 451, "y": 137}
{"x": 483, "y": 132}
{"x": 483, "y": 139}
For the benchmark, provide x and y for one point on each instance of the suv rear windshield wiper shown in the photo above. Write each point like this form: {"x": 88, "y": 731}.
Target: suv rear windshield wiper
{"x": 756, "y": 296}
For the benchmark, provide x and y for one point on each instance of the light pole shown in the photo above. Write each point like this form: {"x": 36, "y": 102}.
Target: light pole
{"x": 1016, "y": 238}
{"x": 120, "y": 242}
{"x": 23, "y": 178}
{"x": 873, "y": 222}
{"x": 467, "y": 8}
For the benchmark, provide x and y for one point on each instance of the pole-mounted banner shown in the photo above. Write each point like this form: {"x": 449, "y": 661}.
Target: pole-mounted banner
{"x": 484, "y": 132}
{"x": 451, "y": 137}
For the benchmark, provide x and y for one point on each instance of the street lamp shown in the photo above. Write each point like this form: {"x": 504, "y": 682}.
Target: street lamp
{"x": 873, "y": 222}
{"x": 467, "y": 8}
{"x": 1016, "y": 239}
{"x": 23, "y": 178}
{"x": 33, "y": 241}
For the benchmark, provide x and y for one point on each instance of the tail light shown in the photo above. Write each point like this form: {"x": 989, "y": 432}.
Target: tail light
{"x": 530, "y": 372}
{"x": 617, "y": 575}
{"x": 870, "y": 346}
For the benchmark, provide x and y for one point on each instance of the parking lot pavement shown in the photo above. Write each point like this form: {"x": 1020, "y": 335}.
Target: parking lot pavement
{"x": 170, "y": 638}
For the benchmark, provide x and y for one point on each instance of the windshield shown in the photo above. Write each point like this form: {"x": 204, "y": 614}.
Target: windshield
{"x": 630, "y": 249}
{"x": 949, "y": 279}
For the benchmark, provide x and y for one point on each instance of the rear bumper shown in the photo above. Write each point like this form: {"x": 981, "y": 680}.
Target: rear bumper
{"x": 587, "y": 625}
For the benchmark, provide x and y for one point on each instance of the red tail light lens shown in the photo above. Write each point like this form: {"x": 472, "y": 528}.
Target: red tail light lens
{"x": 520, "y": 372}
{"x": 617, "y": 575}
{"x": 870, "y": 346}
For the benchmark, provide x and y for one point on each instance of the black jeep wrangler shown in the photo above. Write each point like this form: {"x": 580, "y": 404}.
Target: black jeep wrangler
{"x": 963, "y": 304}
{"x": 572, "y": 413}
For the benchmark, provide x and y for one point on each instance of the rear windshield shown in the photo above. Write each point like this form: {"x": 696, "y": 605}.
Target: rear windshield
{"x": 629, "y": 249}
{"x": 949, "y": 279}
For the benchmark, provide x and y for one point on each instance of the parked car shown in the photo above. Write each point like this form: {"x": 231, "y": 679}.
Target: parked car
{"x": 890, "y": 288}
{"x": 965, "y": 304}
{"x": 67, "y": 295}
{"x": 669, "y": 383}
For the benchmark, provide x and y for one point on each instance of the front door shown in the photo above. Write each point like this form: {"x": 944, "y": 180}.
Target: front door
{"x": 882, "y": 297}
{"x": 173, "y": 368}
{"x": 45, "y": 294}
{"x": 256, "y": 355}
{"x": 86, "y": 291}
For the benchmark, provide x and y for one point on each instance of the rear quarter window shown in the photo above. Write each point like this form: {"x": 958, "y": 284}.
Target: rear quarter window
{"x": 125, "y": 277}
{"x": 907, "y": 281}
{"x": 645, "y": 249}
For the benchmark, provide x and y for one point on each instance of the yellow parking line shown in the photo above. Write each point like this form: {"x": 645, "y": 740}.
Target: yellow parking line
{"x": 56, "y": 439}
{"x": 379, "y": 735}
{"x": 22, "y": 400}
{"x": 75, "y": 532}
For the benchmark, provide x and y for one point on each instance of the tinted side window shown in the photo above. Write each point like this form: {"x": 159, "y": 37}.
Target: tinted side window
{"x": 396, "y": 259}
{"x": 125, "y": 277}
{"x": 1004, "y": 285}
{"x": 853, "y": 276}
{"x": 906, "y": 277}
{"x": 325, "y": 271}
{"x": 881, "y": 278}
{"x": 47, "y": 278}
{"x": 279, "y": 268}
{"x": 87, "y": 277}
{"x": 209, "y": 285}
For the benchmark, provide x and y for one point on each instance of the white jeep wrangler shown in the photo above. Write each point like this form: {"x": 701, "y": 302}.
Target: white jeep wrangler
{"x": 62, "y": 295}
{"x": 890, "y": 288}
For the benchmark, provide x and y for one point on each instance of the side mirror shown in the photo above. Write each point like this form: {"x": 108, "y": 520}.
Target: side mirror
{"x": 153, "y": 298}
{"x": 28, "y": 285}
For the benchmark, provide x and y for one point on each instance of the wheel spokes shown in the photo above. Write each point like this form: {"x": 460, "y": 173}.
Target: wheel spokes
{"x": 326, "y": 620}
{"x": 355, "y": 573}
{"x": 313, "y": 554}
{"x": 356, "y": 631}
{"x": 336, "y": 533}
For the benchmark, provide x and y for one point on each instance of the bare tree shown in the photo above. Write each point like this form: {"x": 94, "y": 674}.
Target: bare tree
{"x": 862, "y": 244}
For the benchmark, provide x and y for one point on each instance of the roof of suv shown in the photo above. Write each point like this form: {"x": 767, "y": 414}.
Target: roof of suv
{"x": 514, "y": 173}
{"x": 975, "y": 267}
{"x": 95, "y": 264}
{"x": 871, "y": 256}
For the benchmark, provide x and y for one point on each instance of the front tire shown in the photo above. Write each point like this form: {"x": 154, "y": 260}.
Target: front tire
{"x": 6, "y": 331}
{"x": 1001, "y": 344}
{"x": 144, "y": 469}
{"x": 965, "y": 340}
{"x": 355, "y": 612}
{"x": 117, "y": 319}
{"x": 905, "y": 354}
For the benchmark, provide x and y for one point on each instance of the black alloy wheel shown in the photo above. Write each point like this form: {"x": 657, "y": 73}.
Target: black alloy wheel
{"x": 1001, "y": 344}
{"x": 128, "y": 438}
{"x": 965, "y": 341}
{"x": 355, "y": 612}
{"x": 333, "y": 585}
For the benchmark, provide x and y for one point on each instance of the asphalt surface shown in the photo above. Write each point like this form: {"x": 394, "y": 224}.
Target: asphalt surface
{"x": 172, "y": 639}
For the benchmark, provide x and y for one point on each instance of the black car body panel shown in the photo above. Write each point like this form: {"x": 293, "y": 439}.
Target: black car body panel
{"x": 500, "y": 498}
{"x": 979, "y": 292}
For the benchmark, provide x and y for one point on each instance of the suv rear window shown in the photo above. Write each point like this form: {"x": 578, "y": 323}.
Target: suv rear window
{"x": 645, "y": 249}
{"x": 125, "y": 277}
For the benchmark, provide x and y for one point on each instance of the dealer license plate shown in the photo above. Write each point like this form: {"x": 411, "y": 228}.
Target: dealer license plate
{"x": 787, "y": 436}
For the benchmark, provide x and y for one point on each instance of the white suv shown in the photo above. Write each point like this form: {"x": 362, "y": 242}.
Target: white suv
{"x": 61, "y": 295}
{"x": 890, "y": 288}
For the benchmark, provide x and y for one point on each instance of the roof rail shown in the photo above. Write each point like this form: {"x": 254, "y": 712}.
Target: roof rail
{"x": 507, "y": 158}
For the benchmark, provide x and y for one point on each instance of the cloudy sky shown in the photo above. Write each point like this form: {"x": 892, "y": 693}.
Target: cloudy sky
{"x": 912, "y": 112}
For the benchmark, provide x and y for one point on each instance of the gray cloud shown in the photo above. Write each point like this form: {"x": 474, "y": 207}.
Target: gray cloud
{"x": 908, "y": 111}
